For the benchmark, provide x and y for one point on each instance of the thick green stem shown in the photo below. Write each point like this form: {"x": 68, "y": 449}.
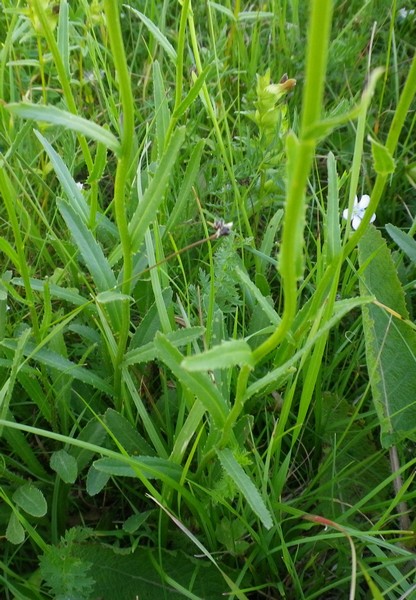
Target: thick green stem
{"x": 123, "y": 167}
{"x": 406, "y": 99}
{"x": 300, "y": 155}
{"x": 300, "y": 158}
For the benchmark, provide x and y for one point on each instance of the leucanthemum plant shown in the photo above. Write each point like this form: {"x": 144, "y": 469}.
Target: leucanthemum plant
{"x": 358, "y": 211}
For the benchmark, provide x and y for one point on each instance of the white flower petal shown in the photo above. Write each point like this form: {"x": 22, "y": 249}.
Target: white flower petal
{"x": 373, "y": 218}
{"x": 364, "y": 202}
{"x": 345, "y": 214}
{"x": 355, "y": 222}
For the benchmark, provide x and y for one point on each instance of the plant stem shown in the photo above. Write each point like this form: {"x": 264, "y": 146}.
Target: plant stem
{"x": 123, "y": 167}
{"x": 300, "y": 155}
{"x": 62, "y": 75}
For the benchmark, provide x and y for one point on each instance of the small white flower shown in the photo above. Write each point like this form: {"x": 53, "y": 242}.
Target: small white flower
{"x": 358, "y": 211}
{"x": 403, "y": 13}
{"x": 79, "y": 185}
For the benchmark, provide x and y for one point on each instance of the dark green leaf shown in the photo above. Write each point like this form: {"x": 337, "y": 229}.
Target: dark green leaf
{"x": 390, "y": 342}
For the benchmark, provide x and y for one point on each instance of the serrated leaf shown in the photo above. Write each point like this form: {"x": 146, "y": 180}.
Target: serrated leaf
{"x": 30, "y": 499}
{"x": 390, "y": 342}
{"x": 382, "y": 158}
{"x": 245, "y": 486}
{"x": 65, "y": 465}
{"x": 225, "y": 355}
{"x": 15, "y": 534}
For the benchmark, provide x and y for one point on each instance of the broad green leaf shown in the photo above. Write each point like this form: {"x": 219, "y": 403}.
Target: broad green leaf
{"x": 65, "y": 465}
{"x": 225, "y": 355}
{"x": 403, "y": 240}
{"x": 245, "y": 486}
{"x": 198, "y": 383}
{"x": 96, "y": 481}
{"x": 57, "y": 116}
{"x": 138, "y": 574}
{"x": 30, "y": 499}
{"x": 382, "y": 159}
{"x": 125, "y": 434}
{"x": 15, "y": 534}
{"x": 132, "y": 523}
{"x": 151, "y": 467}
{"x": 390, "y": 342}
{"x": 93, "y": 433}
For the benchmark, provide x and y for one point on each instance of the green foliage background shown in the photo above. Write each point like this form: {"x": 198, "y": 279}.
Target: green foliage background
{"x": 184, "y": 413}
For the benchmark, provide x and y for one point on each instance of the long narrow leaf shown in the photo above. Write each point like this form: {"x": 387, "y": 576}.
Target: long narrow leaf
{"x": 157, "y": 34}
{"x": 58, "y": 362}
{"x": 72, "y": 190}
{"x": 199, "y": 383}
{"x": 154, "y": 193}
{"x": 245, "y": 486}
{"x": 57, "y": 116}
{"x": 89, "y": 248}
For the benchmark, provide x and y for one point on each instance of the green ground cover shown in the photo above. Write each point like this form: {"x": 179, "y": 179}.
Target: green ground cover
{"x": 207, "y": 299}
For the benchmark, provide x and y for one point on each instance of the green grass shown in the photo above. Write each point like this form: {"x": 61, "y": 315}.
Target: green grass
{"x": 185, "y": 414}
